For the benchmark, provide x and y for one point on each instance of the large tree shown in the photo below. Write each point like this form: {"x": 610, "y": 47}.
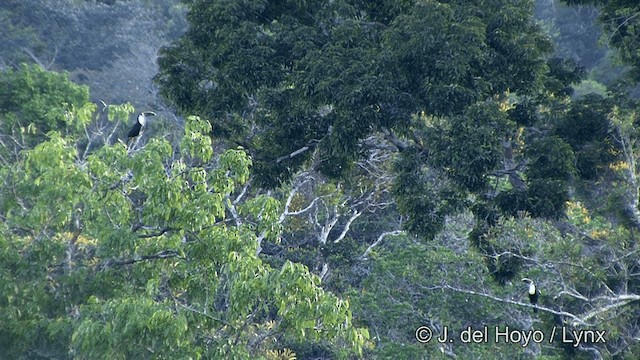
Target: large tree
{"x": 453, "y": 85}
{"x": 108, "y": 252}
{"x": 480, "y": 121}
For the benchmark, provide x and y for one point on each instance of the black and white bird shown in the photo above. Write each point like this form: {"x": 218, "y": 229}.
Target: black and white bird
{"x": 137, "y": 128}
{"x": 533, "y": 292}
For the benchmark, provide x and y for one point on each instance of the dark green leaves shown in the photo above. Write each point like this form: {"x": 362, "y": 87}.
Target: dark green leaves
{"x": 469, "y": 147}
{"x": 326, "y": 75}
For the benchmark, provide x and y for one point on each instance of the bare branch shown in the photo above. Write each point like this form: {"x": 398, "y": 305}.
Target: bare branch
{"x": 34, "y": 58}
{"x": 328, "y": 226}
{"x": 354, "y": 215}
{"x": 293, "y": 154}
{"x": 196, "y": 311}
{"x": 242, "y": 193}
{"x": 380, "y": 238}
{"x": 137, "y": 258}
{"x": 624, "y": 23}
{"x": 156, "y": 234}
{"x": 324, "y": 271}
{"x": 618, "y": 301}
{"x": 401, "y": 145}
{"x": 108, "y": 140}
{"x": 576, "y": 319}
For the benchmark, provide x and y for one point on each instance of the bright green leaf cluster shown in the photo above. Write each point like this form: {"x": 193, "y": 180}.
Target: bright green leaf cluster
{"x": 131, "y": 255}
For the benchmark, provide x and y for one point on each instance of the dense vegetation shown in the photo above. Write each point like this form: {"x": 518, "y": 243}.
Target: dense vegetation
{"x": 326, "y": 180}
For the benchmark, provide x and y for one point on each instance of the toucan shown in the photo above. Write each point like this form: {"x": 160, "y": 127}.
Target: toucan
{"x": 533, "y": 292}
{"x": 137, "y": 127}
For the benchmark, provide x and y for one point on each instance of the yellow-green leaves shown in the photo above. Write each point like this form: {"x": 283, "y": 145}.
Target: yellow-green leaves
{"x": 54, "y": 180}
{"x": 107, "y": 328}
{"x": 143, "y": 254}
{"x": 120, "y": 112}
{"x": 79, "y": 117}
{"x": 196, "y": 141}
{"x": 312, "y": 312}
{"x": 34, "y": 102}
{"x": 108, "y": 164}
{"x": 266, "y": 211}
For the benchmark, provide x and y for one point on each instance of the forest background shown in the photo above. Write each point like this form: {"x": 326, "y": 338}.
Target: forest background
{"x": 322, "y": 179}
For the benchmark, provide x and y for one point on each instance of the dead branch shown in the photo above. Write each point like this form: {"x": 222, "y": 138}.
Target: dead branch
{"x": 138, "y": 258}
{"x": 380, "y": 238}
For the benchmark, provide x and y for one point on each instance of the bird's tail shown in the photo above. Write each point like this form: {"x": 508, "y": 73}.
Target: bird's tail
{"x": 535, "y": 309}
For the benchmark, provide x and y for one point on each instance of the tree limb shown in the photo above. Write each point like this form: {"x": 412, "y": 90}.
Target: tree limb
{"x": 576, "y": 319}
{"x": 380, "y": 238}
{"x": 354, "y": 215}
{"x": 137, "y": 258}
{"x": 392, "y": 138}
{"x": 293, "y": 154}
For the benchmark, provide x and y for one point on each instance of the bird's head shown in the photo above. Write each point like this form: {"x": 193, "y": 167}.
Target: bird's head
{"x": 527, "y": 280}
{"x": 142, "y": 118}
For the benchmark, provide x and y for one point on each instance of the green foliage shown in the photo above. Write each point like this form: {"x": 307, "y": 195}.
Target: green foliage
{"x": 562, "y": 74}
{"x": 586, "y": 87}
{"x": 586, "y": 120}
{"x": 106, "y": 328}
{"x": 167, "y": 252}
{"x": 469, "y": 146}
{"x": 463, "y": 83}
{"x": 424, "y": 193}
{"x": 195, "y": 142}
{"x": 326, "y": 75}
{"x": 130, "y": 255}
{"x": 524, "y": 113}
{"x": 120, "y": 112}
{"x": 586, "y": 127}
{"x": 34, "y": 101}
{"x": 404, "y": 292}
{"x": 547, "y": 177}
{"x": 552, "y": 159}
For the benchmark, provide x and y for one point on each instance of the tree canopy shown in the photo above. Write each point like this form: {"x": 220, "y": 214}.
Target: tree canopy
{"x": 102, "y": 247}
{"x": 340, "y": 178}
{"x": 468, "y": 96}
{"x": 279, "y": 77}
{"x": 445, "y": 82}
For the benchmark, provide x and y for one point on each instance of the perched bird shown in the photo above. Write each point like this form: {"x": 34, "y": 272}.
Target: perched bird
{"x": 138, "y": 126}
{"x": 533, "y": 292}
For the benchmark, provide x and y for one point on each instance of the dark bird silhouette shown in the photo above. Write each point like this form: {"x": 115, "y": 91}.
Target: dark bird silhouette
{"x": 137, "y": 128}
{"x": 534, "y": 293}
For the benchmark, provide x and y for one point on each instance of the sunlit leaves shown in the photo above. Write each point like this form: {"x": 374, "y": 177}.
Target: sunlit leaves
{"x": 107, "y": 327}
{"x": 39, "y": 96}
{"x": 233, "y": 170}
{"x": 34, "y": 102}
{"x": 132, "y": 255}
{"x": 266, "y": 211}
{"x": 297, "y": 300}
{"x": 109, "y": 164}
{"x": 58, "y": 182}
{"x": 119, "y": 112}
{"x": 196, "y": 141}
{"x": 80, "y": 117}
